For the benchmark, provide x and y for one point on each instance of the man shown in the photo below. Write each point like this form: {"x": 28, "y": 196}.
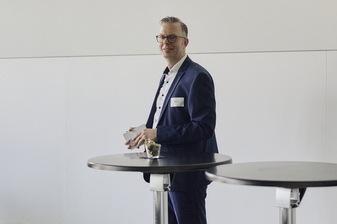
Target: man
{"x": 182, "y": 118}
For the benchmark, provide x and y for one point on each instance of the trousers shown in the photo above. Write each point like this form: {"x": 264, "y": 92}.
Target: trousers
{"x": 187, "y": 207}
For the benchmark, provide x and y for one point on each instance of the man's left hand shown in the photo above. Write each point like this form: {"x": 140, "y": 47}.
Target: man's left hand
{"x": 145, "y": 135}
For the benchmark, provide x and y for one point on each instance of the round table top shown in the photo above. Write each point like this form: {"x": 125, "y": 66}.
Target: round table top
{"x": 278, "y": 174}
{"x": 167, "y": 163}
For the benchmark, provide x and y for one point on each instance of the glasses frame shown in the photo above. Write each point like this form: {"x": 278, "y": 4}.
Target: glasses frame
{"x": 167, "y": 37}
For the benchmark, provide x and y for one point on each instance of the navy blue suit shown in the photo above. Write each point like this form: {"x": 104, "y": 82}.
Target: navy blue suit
{"x": 188, "y": 124}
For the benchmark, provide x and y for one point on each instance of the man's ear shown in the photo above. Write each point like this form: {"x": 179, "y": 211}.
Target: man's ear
{"x": 186, "y": 41}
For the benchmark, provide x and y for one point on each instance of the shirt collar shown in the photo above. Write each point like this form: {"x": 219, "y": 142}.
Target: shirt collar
{"x": 176, "y": 67}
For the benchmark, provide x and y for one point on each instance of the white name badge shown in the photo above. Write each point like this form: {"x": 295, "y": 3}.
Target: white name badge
{"x": 177, "y": 102}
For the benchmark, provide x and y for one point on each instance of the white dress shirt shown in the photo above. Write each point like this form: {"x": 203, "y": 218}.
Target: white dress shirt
{"x": 169, "y": 78}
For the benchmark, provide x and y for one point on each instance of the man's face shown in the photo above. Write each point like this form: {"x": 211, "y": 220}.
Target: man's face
{"x": 172, "y": 52}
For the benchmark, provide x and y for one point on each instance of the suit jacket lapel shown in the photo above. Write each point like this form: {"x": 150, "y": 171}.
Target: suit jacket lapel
{"x": 176, "y": 80}
{"x": 149, "y": 122}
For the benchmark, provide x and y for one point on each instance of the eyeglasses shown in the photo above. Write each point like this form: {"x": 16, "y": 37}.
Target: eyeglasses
{"x": 170, "y": 38}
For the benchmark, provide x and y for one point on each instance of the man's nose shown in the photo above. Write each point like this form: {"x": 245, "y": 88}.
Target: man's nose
{"x": 165, "y": 41}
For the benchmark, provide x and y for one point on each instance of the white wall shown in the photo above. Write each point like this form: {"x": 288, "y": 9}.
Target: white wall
{"x": 36, "y": 28}
{"x": 275, "y": 71}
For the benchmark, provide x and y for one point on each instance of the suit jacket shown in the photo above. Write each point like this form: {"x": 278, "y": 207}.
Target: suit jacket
{"x": 187, "y": 120}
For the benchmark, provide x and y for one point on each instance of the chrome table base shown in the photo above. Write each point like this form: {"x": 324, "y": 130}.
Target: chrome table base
{"x": 160, "y": 185}
{"x": 287, "y": 200}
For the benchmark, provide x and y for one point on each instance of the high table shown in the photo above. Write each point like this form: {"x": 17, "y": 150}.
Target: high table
{"x": 160, "y": 170}
{"x": 290, "y": 178}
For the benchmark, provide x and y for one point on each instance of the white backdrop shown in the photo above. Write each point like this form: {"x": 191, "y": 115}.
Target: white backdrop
{"x": 37, "y": 28}
{"x": 273, "y": 103}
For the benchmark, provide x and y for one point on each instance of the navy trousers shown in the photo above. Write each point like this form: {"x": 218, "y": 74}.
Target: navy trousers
{"x": 187, "y": 207}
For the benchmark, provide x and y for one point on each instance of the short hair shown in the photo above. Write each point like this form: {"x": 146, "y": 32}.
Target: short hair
{"x": 171, "y": 19}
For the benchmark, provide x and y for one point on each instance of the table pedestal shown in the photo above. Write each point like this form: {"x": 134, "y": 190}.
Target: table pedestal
{"x": 287, "y": 200}
{"x": 160, "y": 184}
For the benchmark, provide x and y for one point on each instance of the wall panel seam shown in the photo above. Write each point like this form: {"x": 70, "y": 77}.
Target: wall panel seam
{"x": 190, "y": 53}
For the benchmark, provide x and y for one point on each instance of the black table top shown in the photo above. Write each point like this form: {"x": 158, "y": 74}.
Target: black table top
{"x": 167, "y": 163}
{"x": 278, "y": 174}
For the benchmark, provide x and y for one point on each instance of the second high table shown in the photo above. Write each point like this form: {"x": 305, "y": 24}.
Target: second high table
{"x": 290, "y": 178}
{"x": 159, "y": 168}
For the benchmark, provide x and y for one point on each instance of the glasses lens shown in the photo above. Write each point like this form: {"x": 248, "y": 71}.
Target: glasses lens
{"x": 172, "y": 38}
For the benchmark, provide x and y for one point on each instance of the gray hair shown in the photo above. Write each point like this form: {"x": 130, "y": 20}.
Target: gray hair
{"x": 170, "y": 19}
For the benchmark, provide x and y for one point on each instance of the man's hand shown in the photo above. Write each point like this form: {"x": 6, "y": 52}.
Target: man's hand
{"x": 128, "y": 141}
{"x": 142, "y": 136}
